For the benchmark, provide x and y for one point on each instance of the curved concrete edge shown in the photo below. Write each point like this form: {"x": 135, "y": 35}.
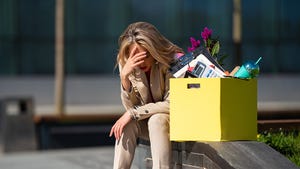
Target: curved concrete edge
{"x": 241, "y": 154}
{"x": 219, "y": 155}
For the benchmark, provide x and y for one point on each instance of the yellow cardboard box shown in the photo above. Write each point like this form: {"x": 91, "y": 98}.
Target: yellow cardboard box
{"x": 213, "y": 109}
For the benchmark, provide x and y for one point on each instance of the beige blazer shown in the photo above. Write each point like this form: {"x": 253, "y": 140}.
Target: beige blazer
{"x": 138, "y": 100}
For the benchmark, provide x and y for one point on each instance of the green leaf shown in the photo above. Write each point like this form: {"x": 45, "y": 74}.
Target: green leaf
{"x": 208, "y": 43}
{"x": 215, "y": 49}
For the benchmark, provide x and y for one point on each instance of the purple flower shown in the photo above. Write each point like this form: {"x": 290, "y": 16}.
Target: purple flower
{"x": 190, "y": 49}
{"x": 195, "y": 43}
{"x": 206, "y": 33}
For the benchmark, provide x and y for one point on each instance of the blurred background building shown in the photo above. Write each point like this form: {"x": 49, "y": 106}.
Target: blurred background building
{"x": 270, "y": 29}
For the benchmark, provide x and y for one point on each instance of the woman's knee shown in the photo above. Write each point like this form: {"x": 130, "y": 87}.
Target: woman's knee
{"x": 159, "y": 121}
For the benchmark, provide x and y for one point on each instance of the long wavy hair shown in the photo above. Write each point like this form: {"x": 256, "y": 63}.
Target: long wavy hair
{"x": 148, "y": 37}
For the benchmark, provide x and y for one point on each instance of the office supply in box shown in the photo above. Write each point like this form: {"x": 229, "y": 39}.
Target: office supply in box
{"x": 200, "y": 59}
{"x": 213, "y": 109}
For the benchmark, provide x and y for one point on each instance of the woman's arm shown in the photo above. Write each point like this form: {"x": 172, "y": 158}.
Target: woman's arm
{"x": 147, "y": 110}
{"x": 134, "y": 60}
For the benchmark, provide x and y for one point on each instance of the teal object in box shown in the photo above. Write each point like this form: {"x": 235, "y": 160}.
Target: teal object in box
{"x": 248, "y": 70}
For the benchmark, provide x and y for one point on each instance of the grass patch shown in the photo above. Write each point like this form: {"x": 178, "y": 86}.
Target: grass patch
{"x": 285, "y": 142}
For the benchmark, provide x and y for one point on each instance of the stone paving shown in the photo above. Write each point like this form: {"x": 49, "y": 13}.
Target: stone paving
{"x": 86, "y": 158}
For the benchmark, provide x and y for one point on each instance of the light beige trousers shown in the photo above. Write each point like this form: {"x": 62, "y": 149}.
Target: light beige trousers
{"x": 156, "y": 129}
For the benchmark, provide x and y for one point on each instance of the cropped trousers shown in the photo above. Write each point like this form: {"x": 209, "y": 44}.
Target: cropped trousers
{"x": 155, "y": 129}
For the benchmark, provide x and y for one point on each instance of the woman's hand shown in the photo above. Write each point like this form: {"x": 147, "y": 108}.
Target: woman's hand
{"x": 135, "y": 59}
{"x": 118, "y": 127}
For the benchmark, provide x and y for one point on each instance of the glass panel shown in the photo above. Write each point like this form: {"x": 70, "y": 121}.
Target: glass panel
{"x": 270, "y": 29}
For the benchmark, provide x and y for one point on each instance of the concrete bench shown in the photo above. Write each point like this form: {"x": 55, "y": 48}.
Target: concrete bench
{"x": 74, "y": 131}
{"x": 217, "y": 155}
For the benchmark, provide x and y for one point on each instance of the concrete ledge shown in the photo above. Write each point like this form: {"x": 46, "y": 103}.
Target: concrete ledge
{"x": 241, "y": 154}
{"x": 228, "y": 155}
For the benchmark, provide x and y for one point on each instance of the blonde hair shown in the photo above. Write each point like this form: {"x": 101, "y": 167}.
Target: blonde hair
{"x": 148, "y": 37}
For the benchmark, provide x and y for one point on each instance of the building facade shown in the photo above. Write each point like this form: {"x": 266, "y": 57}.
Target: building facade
{"x": 270, "y": 29}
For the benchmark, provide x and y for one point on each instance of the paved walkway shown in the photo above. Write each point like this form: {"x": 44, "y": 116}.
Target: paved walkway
{"x": 88, "y": 158}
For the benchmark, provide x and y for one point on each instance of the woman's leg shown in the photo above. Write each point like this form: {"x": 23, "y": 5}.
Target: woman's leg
{"x": 125, "y": 147}
{"x": 158, "y": 126}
